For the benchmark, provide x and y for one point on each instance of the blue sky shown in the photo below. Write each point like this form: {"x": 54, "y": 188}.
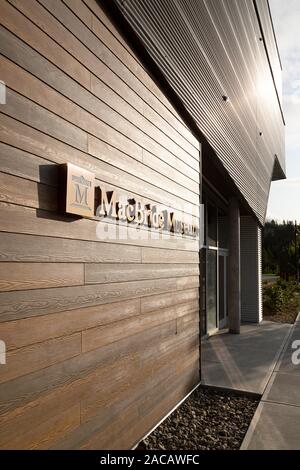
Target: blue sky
{"x": 284, "y": 200}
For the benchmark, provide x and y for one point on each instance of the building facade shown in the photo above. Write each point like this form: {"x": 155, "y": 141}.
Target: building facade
{"x": 171, "y": 107}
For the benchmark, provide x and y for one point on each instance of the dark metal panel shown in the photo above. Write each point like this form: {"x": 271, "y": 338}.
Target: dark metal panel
{"x": 207, "y": 49}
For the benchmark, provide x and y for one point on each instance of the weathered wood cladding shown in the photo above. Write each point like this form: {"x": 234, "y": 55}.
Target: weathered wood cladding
{"x": 209, "y": 49}
{"x": 101, "y": 335}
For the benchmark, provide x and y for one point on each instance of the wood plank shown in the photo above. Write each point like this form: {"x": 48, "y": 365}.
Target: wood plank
{"x": 155, "y": 302}
{"x": 28, "y": 193}
{"x": 99, "y": 336}
{"x": 154, "y": 255}
{"x": 29, "y": 415}
{"x": 33, "y": 141}
{"x": 185, "y": 321}
{"x": 190, "y": 360}
{"x": 159, "y": 102}
{"x": 31, "y": 248}
{"x": 119, "y": 46}
{"x": 27, "y": 220}
{"x": 48, "y": 72}
{"x": 171, "y": 122}
{"x": 56, "y": 401}
{"x": 96, "y": 364}
{"x": 23, "y": 304}
{"x": 20, "y": 391}
{"x": 26, "y": 30}
{"x": 187, "y": 340}
{"x": 37, "y": 14}
{"x": 17, "y": 162}
{"x": 40, "y": 118}
{"x": 112, "y": 435}
{"x": 57, "y": 31}
{"x": 162, "y": 390}
{"x": 164, "y": 168}
{"x": 20, "y": 333}
{"x": 126, "y": 418}
{"x": 26, "y": 84}
{"x": 20, "y": 191}
{"x": 41, "y": 436}
{"x": 176, "y": 391}
{"x": 99, "y": 409}
{"x": 31, "y": 358}
{"x": 99, "y": 49}
{"x": 106, "y": 430}
{"x": 94, "y": 7}
{"x": 101, "y": 273}
{"x": 94, "y": 148}
{"x": 90, "y": 103}
{"x": 22, "y": 276}
{"x": 104, "y": 93}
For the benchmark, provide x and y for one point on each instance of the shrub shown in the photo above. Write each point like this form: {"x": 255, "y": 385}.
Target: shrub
{"x": 278, "y": 296}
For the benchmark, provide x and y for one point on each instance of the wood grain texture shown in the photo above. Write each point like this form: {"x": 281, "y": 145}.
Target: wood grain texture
{"x": 27, "y": 220}
{"x": 99, "y": 336}
{"x": 112, "y": 126}
{"x": 22, "y": 276}
{"x": 23, "y": 304}
{"x": 38, "y": 356}
{"x": 31, "y": 248}
{"x": 20, "y": 333}
{"x": 26, "y": 30}
{"x": 164, "y": 175}
{"x": 98, "y": 274}
{"x": 42, "y": 436}
{"x": 16, "y": 162}
{"x": 20, "y": 391}
{"x": 20, "y": 191}
{"x": 113, "y": 59}
{"x": 33, "y": 141}
{"x": 101, "y": 331}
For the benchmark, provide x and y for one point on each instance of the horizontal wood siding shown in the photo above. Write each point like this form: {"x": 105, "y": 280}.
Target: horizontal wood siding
{"x": 101, "y": 335}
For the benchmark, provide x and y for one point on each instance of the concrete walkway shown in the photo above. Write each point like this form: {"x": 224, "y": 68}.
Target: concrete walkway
{"x": 276, "y": 423}
{"x": 244, "y": 362}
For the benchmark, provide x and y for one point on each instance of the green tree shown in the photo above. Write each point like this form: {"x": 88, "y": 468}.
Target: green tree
{"x": 281, "y": 243}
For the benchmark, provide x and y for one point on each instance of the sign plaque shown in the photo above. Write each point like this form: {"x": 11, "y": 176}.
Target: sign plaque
{"x": 77, "y": 190}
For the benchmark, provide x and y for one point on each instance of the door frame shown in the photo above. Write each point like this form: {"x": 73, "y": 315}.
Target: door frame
{"x": 224, "y": 253}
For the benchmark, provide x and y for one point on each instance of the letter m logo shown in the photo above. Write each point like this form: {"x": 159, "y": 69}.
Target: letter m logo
{"x": 81, "y": 194}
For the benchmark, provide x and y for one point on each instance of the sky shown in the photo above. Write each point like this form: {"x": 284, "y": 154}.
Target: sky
{"x": 284, "y": 200}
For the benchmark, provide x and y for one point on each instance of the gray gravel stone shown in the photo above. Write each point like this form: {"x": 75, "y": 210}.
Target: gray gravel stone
{"x": 207, "y": 420}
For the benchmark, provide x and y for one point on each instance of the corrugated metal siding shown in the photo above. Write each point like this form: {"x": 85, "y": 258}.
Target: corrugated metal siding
{"x": 270, "y": 42}
{"x": 251, "y": 293}
{"x": 207, "y": 49}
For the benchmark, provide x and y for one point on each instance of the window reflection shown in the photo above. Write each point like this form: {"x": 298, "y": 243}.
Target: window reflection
{"x": 212, "y": 230}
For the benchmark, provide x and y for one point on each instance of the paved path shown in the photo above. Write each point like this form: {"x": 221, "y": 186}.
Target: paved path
{"x": 243, "y": 362}
{"x": 276, "y": 423}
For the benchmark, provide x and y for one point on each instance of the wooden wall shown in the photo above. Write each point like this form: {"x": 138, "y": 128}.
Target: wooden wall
{"x": 101, "y": 336}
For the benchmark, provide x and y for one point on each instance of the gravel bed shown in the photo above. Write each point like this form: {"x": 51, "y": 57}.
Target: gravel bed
{"x": 207, "y": 420}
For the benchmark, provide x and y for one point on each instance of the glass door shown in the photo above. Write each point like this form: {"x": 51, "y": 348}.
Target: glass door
{"x": 211, "y": 291}
{"x": 223, "y": 268}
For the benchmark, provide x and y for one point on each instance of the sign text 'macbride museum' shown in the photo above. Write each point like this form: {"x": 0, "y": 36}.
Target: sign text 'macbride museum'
{"x": 80, "y": 196}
